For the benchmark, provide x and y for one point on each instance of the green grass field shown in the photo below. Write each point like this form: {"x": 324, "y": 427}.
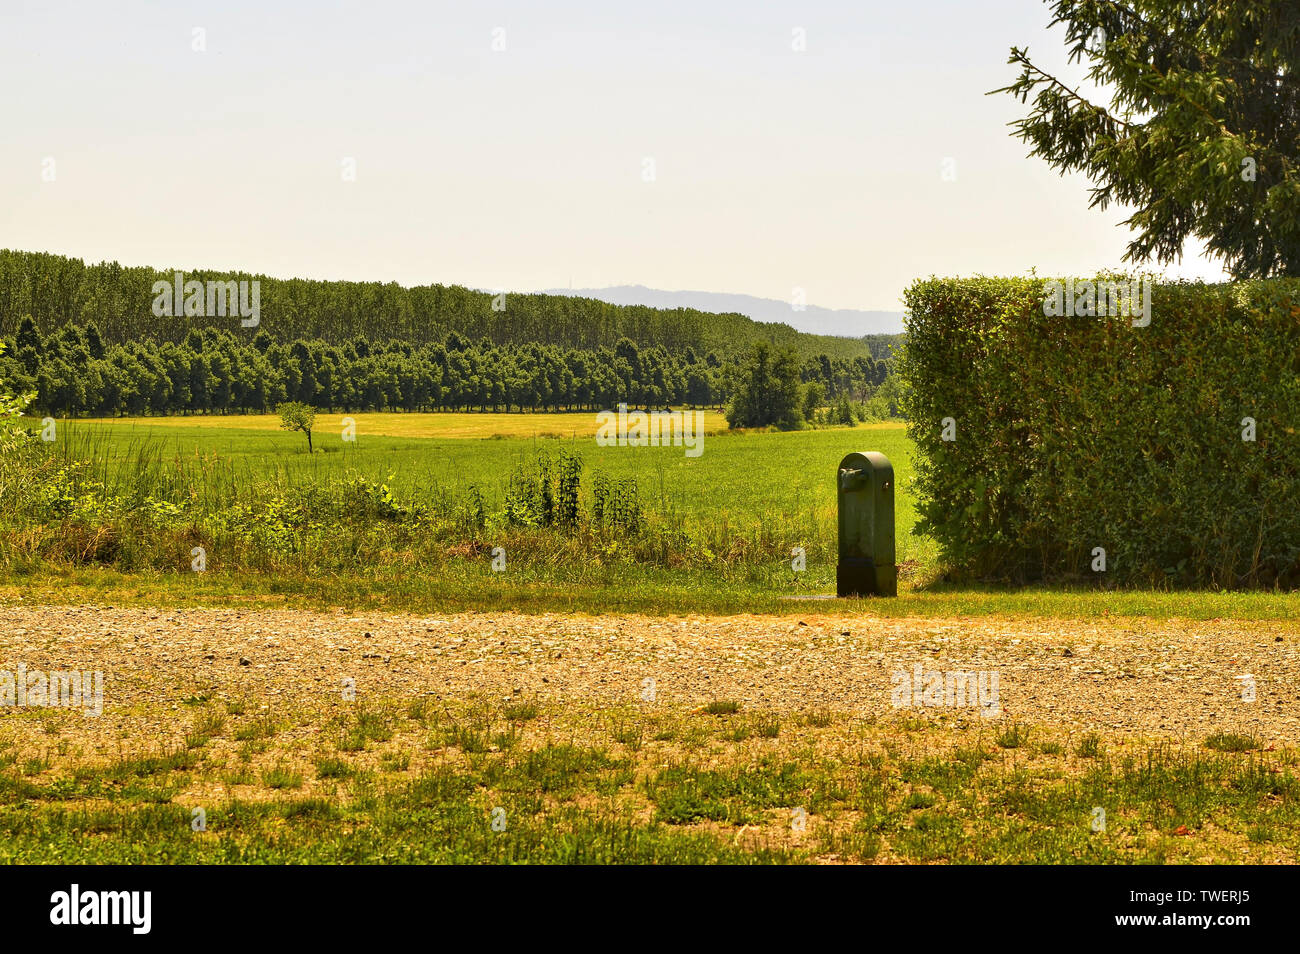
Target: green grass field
{"x": 764, "y": 491}
{"x": 743, "y": 477}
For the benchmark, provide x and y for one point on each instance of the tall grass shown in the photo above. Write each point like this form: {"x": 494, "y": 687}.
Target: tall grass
{"x": 146, "y": 502}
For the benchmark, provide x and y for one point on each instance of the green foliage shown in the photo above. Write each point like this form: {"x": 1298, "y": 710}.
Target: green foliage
{"x": 532, "y": 489}
{"x": 767, "y": 391}
{"x": 615, "y": 505}
{"x": 11, "y": 409}
{"x": 475, "y": 508}
{"x": 568, "y": 484}
{"x": 843, "y": 413}
{"x": 545, "y": 491}
{"x": 885, "y": 402}
{"x": 296, "y": 416}
{"x": 1077, "y": 433}
{"x": 1202, "y": 132}
{"x": 814, "y": 393}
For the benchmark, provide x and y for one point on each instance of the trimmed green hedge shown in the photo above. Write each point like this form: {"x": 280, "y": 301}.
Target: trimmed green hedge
{"x": 1073, "y": 433}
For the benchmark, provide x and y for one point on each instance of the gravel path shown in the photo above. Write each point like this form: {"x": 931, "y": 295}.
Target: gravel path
{"x": 1180, "y": 678}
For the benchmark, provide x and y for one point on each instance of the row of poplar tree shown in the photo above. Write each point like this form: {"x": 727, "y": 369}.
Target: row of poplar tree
{"x": 214, "y": 372}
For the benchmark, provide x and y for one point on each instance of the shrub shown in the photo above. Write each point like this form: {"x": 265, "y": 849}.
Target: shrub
{"x": 1073, "y": 433}
{"x": 544, "y": 491}
{"x": 615, "y": 504}
{"x": 11, "y": 409}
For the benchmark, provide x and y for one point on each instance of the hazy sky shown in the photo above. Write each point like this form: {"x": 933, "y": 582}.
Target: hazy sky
{"x": 525, "y": 167}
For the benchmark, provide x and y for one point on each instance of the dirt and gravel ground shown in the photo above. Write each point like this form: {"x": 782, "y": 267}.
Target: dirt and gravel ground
{"x": 1177, "y": 678}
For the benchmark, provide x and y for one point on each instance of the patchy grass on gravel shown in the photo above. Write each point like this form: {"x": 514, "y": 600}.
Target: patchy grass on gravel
{"x": 515, "y": 780}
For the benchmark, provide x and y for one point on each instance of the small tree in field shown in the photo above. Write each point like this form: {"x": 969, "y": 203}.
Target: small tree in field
{"x": 296, "y": 416}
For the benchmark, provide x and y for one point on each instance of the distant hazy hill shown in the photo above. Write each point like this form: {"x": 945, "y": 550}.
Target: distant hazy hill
{"x": 845, "y": 322}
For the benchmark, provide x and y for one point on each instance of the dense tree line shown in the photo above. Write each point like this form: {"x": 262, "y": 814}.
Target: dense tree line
{"x": 216, "y": 372}
{"x": 55, "y": 291}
